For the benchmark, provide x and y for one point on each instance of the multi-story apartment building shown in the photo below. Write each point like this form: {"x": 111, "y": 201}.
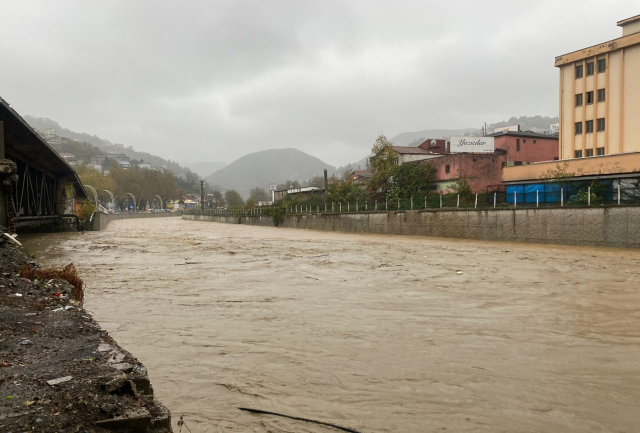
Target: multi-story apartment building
{"x": 600, "y": 96}
{"x": 599, "y": 114}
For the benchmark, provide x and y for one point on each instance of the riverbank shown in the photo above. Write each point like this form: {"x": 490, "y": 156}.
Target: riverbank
{"x": 59, "y": 370}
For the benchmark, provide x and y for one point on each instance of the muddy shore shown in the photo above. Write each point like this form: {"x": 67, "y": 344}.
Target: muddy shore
{"x": 59, "y": 370}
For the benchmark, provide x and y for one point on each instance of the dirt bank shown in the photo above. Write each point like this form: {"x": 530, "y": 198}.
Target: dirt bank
{"x": 59, "y": 371}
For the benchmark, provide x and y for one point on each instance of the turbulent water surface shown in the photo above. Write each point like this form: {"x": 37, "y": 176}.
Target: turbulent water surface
{"x": 374, "y": 333}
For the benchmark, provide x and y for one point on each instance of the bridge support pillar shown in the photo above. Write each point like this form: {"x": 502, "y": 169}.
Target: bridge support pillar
{"x": 4, "y": 209}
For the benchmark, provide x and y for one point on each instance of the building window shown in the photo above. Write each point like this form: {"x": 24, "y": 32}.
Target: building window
{"x": 578, "y": 154}
{"x": 589, "y": 152}
{"x": 590, "y": 97}
{"x": 517, "y": 144}
{"x": 600, "y": 124}
{"x": 590, "y": 68}
{"x": 588, "y": 126}
{"x": 524, "y": 140}
{"x": 600, "y": 151}
{"x": 556, "y": 158}
{"x": 534, "y": 141}
{"x": 578, "y": 128}
{"x": 578, "y": 71}
{"x": 517, "y": 162}
{"x": 602, "y": 65}
{"x": 601, "y": 94}
{"x": 447, "y": 169}
{"x": 579, "y": 100}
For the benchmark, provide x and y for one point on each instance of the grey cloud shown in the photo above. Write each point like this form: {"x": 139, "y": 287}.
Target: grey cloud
{"x": 215, "y": 80}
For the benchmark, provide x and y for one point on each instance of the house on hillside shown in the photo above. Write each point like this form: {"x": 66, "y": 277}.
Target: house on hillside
{"x": 360, "y": 177}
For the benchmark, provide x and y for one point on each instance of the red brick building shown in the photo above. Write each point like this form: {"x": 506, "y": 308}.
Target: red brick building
{"x": 484, "y": 170}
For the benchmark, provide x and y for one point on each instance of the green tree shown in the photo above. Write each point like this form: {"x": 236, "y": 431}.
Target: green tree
{"x": 258, "y": 194}
{"x": 218, "y": 199}
{"x": 463, "y": 187}
{"x": 411, "y": 180}
{"x": 383, "y": 163}
{"x": 232, "y": 198}
{"x": 343, "y": 192}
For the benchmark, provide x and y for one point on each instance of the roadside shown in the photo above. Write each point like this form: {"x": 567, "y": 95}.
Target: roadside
{"x": 59, "y": 371}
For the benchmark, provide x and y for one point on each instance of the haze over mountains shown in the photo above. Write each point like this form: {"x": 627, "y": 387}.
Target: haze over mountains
{"x": 259, "y": 169}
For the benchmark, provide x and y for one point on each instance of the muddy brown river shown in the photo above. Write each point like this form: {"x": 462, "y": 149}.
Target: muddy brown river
{"x": 373, "y": 333}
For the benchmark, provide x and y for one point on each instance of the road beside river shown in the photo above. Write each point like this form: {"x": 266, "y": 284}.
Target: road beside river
{"x": 374, "y": 333}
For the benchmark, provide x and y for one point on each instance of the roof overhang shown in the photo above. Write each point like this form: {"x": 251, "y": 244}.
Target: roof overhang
{"x": 619, "y": 165}
{"x": 606, "y": 47}
{"x": 22, "y": 142}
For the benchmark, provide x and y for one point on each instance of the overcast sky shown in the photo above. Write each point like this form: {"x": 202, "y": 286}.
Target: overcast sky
{"x": 215, "y": 80}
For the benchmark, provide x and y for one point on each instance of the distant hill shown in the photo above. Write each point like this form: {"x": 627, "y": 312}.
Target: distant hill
{"x": 41, "y": 124}
{"x": 416, "y": 138}
{"x": 205, "y": 169}
{"x": 527, "y": 123}
{"x": 259, "y": 169}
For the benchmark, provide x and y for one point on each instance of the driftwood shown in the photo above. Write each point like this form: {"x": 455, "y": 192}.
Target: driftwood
{"x": 265, "y": 412}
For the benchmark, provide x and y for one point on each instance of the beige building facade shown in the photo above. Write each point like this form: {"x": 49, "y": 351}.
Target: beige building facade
{"x": 600, "y": 96}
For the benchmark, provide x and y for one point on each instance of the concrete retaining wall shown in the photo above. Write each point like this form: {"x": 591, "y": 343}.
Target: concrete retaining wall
{"x": 101, "y": 220}
{"x": 602, "y": 226}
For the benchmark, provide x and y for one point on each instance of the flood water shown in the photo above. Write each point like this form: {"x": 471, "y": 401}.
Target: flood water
{"x": 374, "y": 333}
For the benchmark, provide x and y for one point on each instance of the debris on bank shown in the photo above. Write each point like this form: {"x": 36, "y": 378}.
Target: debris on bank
{"x": 59, "y": 371}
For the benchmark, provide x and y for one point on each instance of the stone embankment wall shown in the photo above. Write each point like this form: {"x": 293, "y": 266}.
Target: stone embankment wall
{"x": 101, "y": 220}
{"x": 602, "y": 226}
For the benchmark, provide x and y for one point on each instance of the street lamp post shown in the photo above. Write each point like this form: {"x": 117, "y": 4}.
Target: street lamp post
{"x": 95, "y": 195}
{"x": 161, "y": 203}
{"x": 134, "y": 201}
{"x": 113, "y": 200}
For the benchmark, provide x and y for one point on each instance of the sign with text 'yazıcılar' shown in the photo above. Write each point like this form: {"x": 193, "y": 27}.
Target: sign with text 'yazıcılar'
{"x": 471, "y": 145}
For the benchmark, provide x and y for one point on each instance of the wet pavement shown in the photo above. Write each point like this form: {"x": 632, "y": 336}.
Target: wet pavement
{"x": 374, "y": 333}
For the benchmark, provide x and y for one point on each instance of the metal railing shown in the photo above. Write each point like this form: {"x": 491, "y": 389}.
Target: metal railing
{"x": 560, "y": 197}
{"x": 496, "y": 200}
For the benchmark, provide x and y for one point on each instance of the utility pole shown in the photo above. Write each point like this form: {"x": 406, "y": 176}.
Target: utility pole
{"x": 202, "y": 195}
